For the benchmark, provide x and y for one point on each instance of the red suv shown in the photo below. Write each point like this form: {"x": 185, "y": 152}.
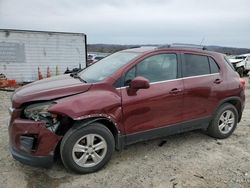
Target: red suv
{"x": 130, "y": 96}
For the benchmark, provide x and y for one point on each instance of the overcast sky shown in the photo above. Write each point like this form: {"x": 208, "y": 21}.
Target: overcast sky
{"x": 219, "y": 22}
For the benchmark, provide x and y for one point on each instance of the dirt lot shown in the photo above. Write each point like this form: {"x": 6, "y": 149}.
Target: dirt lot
{"x": 186, "y": 160}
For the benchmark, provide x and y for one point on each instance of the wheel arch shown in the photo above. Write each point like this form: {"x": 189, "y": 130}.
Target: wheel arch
{"x": 235, "y": 101}
{"x": 105, "y": 121}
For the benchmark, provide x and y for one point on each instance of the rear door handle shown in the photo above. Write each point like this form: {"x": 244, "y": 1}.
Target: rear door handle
{"x": 217, "y": 81}
{"x": 175, "y": 91}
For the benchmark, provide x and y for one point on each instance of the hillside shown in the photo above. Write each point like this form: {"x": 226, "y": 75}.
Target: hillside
{"x": 111, "y": 48}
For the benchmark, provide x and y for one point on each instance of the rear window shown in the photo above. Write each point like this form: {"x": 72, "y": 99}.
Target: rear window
{"x": 195, "y": 65}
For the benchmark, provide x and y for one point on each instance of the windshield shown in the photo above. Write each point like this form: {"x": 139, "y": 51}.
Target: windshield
{"x": 106, "y": 66}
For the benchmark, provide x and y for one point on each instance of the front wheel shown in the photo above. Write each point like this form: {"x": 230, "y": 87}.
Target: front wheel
{"x": 224, "y": 122}
{"x": 87, "y": 149}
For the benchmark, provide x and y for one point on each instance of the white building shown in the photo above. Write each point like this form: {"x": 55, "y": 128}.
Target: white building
{"x": 22, "y": 52}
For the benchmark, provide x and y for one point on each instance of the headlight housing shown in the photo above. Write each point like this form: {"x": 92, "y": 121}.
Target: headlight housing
{"x": 39, "y": 112}
{"x": 35, "y": 111}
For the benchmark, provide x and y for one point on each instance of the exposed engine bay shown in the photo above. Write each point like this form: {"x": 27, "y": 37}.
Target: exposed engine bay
{"x": 39, "y": 112}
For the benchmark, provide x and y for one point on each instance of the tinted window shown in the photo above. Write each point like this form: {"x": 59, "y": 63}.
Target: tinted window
{"x": 155, "y": 68}
{"x": 213, "y": 66}
{"x": 195, "y": 65}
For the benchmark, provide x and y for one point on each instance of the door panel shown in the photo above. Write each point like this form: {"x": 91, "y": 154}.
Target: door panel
{"x": 154, "y": 107}
{"x": 202, "y": 82}
{"x": 200, "y": 96}
{"x": 159, "y": 105}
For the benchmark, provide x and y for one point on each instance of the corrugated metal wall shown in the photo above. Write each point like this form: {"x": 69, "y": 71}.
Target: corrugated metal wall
{"x": 22, "y": 52}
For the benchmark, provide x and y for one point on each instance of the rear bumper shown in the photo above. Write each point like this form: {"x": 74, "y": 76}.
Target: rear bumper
{"x": 36, "y": 161}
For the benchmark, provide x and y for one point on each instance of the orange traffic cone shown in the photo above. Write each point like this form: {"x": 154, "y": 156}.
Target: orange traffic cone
{"x": 40, "y": 76}
{"x": 48, "y": 72}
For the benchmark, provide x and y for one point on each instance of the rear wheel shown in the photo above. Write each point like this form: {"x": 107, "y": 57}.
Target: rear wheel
{"x": 87, "y": 149}
{"x": 224, "y": 122}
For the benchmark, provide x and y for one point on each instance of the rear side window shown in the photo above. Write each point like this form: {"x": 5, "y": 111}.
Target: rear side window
{"x": 195, "y": 65}
{"x": 214, "y": 68}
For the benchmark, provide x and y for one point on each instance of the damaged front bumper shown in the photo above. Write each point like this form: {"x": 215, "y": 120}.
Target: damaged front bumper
{"x": 31, "y": 142}
{"x": 36, "y": 161}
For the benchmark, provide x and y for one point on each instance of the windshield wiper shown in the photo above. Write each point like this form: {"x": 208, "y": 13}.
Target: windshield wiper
{"x": 75, "y": 75}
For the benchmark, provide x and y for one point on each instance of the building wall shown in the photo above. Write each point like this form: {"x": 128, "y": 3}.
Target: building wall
{"x": 22, "y": 52}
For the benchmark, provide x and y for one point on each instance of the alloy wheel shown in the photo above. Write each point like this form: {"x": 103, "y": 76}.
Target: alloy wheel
{"x": 89, "y": 150}
{"x": 226, "y": 121}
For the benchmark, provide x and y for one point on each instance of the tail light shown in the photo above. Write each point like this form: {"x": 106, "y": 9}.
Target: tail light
{"x": 243, "y": 83}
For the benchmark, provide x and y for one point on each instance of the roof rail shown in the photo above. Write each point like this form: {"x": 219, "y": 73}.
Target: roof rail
{"x": 183, "y": 45}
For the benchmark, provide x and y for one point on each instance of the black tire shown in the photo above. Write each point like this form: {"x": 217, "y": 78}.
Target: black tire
{"x": 246, "y": 72}
{"x": 240, "y": 71}
{"x": 213, "y": 129}
{"x": 73, "y": 136}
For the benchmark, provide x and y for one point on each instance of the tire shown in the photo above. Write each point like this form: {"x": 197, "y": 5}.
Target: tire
{"x": 79, "y": 155}
{"x": 218, "y": 126}
{"x": 246, "y": 72}
{"x": 240, "y": 71}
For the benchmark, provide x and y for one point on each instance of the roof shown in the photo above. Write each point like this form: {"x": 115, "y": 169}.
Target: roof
{"x": 36, "y": 31}
{"x": 150, "y": 49}
{"x": 141, "y": 49}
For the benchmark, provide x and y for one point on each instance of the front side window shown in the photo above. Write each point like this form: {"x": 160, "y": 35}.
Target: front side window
{"x": 195, "y": 65}
{"x": 155, "y": 68}
{"x": 131, "y": 74}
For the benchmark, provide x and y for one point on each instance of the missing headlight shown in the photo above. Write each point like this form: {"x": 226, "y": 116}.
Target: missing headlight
{"x": 39, "y": 112}
{"x": 34, "y": 111}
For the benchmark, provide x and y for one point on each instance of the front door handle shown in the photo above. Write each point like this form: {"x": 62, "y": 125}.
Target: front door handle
{"x": 175, "y": 91}
{"x": 217, "y": 81}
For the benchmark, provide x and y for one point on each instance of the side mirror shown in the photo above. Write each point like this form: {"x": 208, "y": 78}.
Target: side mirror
{"x": 139, "y": 82}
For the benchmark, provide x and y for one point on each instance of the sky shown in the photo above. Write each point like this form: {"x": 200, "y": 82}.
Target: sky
{"x": 210, "y": 22}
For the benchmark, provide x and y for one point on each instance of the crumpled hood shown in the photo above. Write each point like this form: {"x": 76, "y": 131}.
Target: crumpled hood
{"x": 47, "y": 89}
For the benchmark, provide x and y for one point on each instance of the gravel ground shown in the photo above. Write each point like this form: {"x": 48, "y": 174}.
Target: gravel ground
{"x": 186, "y": 160}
